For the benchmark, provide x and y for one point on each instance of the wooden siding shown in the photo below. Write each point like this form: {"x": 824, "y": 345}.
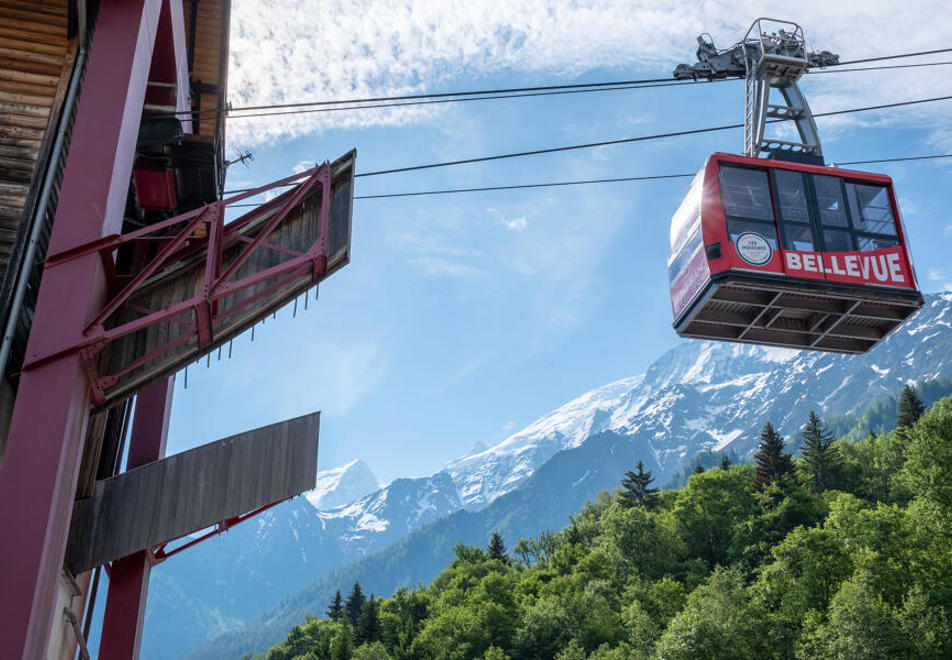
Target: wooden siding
{"x": 207, "y": 29}
{"x": 167, "y": 499}
{"x": 36, "y": 59}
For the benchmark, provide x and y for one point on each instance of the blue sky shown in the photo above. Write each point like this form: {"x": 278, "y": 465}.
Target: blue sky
{"x": 462, "y": 318}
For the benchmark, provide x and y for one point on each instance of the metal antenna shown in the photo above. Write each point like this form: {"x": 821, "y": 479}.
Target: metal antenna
{"x": 772, "y": 55}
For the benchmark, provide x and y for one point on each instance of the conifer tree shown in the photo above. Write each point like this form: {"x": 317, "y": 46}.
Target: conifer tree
{"x": 336, "y": 609}
{"x": 355, "y": 603}
{"x": 497, "y": 548}
{"x": 910, "y": 408}
{"x": 367, "y": 629}
{"x": 772, "y": 463}
{"x": 725, "y": 462}
{"x": 698, "y": 469}
{"x": 637, "y": 488}
{"x": 821, "y": 459}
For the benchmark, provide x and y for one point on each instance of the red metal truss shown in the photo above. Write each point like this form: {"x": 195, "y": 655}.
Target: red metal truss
{"x": 160, "y": 553}
{"x": 187, "y": 235}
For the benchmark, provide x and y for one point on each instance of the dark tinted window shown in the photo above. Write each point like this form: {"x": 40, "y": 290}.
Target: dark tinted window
{"x": 837, "y": 241}
{"x": 870, "y": 243}
{"x": 791, "y": 196}
{"x": 798, "y": 237}
{"x": 745, "y": 193}
{"x": 830, "y": 206}
{"x": 871, "y": 209}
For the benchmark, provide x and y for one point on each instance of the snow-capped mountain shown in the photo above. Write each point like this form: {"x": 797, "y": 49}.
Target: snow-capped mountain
{"x": 342, "y": 485}
{"x": 388, "y": 514}
{"x": 484, "y": 475}
{"x": 716, "y": 395}
{"x": 697, "y": 396}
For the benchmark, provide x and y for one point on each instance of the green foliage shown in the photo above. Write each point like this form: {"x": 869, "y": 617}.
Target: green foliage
{"x": 772, "y": 463}
{"x": 882, "y": 416}
{"x": 928, "y": 471}
{"x": 718, "y": 621}
{"x": 336, "y": 608}
{"x": 821, "y": 458}
{"x": 368, "y": 628}
{"x": 910, "y": 408}
{"x": 497, "y": 548}
{"x": 637, "y": 490}
{"x": 851, "y": 561}
{"x": 706, "y": 459}
{"x": 707, "y": 514}
{"x": 374, "y": 651}
{"x": 861, "y": 625}
{"x": 355, "y": 604}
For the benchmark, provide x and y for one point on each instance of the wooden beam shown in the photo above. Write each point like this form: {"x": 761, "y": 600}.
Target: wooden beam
{"x": 181, "y": 494}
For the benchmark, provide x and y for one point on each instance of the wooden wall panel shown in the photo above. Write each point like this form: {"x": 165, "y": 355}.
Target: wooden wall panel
{"x": 184, "y": 493}
{"x": 35, "y": 63}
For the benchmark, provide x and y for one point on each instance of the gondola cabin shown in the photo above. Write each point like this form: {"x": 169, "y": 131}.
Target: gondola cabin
{"x": 790, "y": 254}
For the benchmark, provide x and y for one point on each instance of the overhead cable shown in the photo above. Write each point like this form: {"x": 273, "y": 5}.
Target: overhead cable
{"x": 501, "y": 93}
{"x": 880, "y": 68}
{"x": 583, "y": 182}
{"x": 493, "y": 97}
{"x": 640, "y": 138}
{"x": 895, "y": 57}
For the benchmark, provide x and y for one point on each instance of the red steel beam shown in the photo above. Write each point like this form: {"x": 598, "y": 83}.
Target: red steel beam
{"x": 129, "y": 579}
{"x": 44, "y": 447}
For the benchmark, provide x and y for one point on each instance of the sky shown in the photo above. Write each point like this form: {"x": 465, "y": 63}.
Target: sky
{"x": 463, "y": 318}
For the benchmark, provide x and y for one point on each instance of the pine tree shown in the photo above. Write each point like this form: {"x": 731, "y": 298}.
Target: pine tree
{"x": 336, "y": 609}
{"x": 725, "y": 462}
{"x": 367, "y": 629}
{"x": 637, "y": 488}
{"x": 497, "y": 548}
{"x": 772, "y": 463}
{"x": 698, "y": 469}
{"x": 821, "y": 459}
{"x": 910, "y": 408}
{"x": 355, "y": 603}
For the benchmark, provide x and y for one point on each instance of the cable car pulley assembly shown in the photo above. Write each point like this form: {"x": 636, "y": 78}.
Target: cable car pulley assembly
{"x": 774, "y": 247}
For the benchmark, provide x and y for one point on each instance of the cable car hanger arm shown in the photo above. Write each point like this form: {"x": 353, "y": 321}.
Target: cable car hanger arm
{"x": 767, "y": 60}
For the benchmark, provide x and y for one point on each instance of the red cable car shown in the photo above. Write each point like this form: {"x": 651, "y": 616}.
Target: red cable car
{"x": 790, "y": 254}
{"x": 784, "y": 250}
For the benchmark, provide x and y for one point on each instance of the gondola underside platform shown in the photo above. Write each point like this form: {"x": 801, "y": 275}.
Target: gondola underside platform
{"x": 764, "y": 310}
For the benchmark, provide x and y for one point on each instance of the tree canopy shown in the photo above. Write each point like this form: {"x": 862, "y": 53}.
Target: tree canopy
{"x": 637, "y": 490}
{"x": 857, "y": 566}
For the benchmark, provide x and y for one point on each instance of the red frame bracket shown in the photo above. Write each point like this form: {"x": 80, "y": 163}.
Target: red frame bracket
{"x": 183, "y": 237}
{"x": 160, "y": 553}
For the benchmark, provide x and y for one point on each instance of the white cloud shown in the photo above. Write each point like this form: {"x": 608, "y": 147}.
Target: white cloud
{"x": 433, "y": 266}
{"x": 299, "y": 50}
{"x": 943, "y": 275}
{"x": 332, "y": 375}
{"x": 515, "y": 224}
{"x": 439, "y": 250}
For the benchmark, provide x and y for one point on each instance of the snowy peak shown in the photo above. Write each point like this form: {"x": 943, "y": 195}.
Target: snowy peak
{"x": 485, "y": 475}
{"x": 713, "y": 396}
{"x": 342, "y": 485}
{"x": 390, "y": 512}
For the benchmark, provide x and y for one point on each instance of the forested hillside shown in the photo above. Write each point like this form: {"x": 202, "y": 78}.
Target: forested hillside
{"x": 840, "y": 552}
